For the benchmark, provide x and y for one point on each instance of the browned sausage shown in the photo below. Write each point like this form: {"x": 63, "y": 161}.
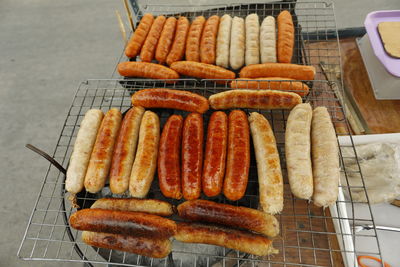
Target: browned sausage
{"x": 139, "y": 36}
{"x": 150, "y": 247}
{"x": 234, "y": 216}
{"x": 170, "y": 98}
{"x": 178, "y": 47}
{"x": 149, "y": 46}
{"x": 166, "y": 38}
{"x": 100, "y": 159}
{"x": 230, "y": 238}
{"x": 122, "y": 222}
{"x": 153, "y": 206}
{"x": 192, "y": 155}
{"x": 256, "y": 99}
{"x": 147, "y": 70}
{"x": 202, "y": 70}
{"x": 169, "y": 173}
{"x": 215, "y": 155}
{"x": 193, "y": 39}
{"x": 208, "y": 40}
{"x": 238, "y": 156}
{"x": 125, "y": 150}
{"x": 293, "y": 71}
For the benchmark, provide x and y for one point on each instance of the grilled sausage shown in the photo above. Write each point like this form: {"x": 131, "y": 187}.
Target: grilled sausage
{"x": 144, "y": 166}
{"x": 325, "y": 158}
{"x": 149, "y": 247}
{"x": 224, "y": 237}
{"x": 193, "y": 39}
{"x": 125, "y": 150}
{"x": 223, "y": 41}
{"x": 139, "y": 36}
{"x": 208, "y": 40}
{"x": 252, "y": 39}
{"x": 82, "y": 149}
{"x": 234, "y": 216}
{"x": 166, "y": 38}
{"x": 192, "y": 155}
{"x": 293, "y": 71}
{"x": 237, "y": 48}
{"x": 238, "y": 156}
{"x": 297, "y": 150}
{"x": 178, "y": 46}
{"x": 215, "y": 155}
{"x": 153, "y": 206}
{"x": 147, "y": 70}
{"x": 169, "y": 172}
{"x": 285, "y": 37}
{"x": 256, "y": 99}
{"x": 122, "y": 222}
{"x": 170, "y": 98}
{"x": 268, "y": 40}
{"x": 149, "y": 46}
{"x": 202, "y": 70}
{"x": 100, "y": 159}
{"x": 270, "y": 179}
{"x": 273, "y": 83}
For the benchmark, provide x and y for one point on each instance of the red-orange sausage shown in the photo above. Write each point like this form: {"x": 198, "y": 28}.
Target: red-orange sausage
{"x": 202, "y": 70}
{"x": 122, "y": 222}
{"x": 208, "y": 41}
{"x": 139, "y": 36}
{"x": 178, "y": 47}
{"x": 193, "y": 39}
{"x": 166, "y": 38}
{"x": 169, "y": 173}
{"x": 215, "y": 155}
{"x": 192, "y": 155}
{"x": 170, "y": 98}
{"x": 149, "y": 47}
{"x": 238, "y": 159}
{"x": 150, "y": 247}
{"x": 147, "y": 70}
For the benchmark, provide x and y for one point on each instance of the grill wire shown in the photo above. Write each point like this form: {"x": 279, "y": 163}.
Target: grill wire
{"x": 308, "y": 236}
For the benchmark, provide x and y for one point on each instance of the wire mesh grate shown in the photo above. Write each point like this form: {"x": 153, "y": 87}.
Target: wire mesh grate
{"x": 310, "y": 236}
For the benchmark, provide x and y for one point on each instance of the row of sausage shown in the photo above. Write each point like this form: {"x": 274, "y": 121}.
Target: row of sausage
{"x": 252, "y": 73}
{"x": 136, "y": 226}
{"x": 104, "y": 150}
{"x": 226, "y": 41}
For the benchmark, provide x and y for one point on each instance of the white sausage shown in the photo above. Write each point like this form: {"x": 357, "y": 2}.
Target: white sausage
{"x": 297, "y": 150}
{"x": 268, "y": 40}
{"x": 223, "y": 41}
{"x": 236, "y": 53}
{"x": 325, "y": 158}
{"x": 144, "y": 167}
{"x": 252, "y": 39}
{"x": 82, "y": 149}
{"x": 268, "y": 164}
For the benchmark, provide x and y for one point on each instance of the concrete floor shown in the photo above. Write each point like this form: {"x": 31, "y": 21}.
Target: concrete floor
{"x": 47, "y": 48}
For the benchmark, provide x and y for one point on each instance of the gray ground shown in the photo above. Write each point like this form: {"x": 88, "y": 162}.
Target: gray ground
{"x": 46, "y": 48}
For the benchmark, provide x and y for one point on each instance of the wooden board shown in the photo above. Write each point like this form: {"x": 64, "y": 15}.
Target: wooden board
{"x": 381, "y": 116}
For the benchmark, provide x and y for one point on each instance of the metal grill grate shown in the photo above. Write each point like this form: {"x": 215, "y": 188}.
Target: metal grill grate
{"x": 310, "y": 236}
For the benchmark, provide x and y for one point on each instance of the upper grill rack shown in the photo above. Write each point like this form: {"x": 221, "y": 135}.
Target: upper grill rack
{"x": 308, "y": 236}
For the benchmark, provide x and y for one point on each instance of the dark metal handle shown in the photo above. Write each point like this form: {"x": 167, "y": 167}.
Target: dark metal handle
{"x": 46, "y": 156}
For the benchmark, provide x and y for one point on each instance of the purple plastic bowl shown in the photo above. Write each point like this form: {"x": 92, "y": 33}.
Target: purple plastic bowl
{"x": 371, "y": 22}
